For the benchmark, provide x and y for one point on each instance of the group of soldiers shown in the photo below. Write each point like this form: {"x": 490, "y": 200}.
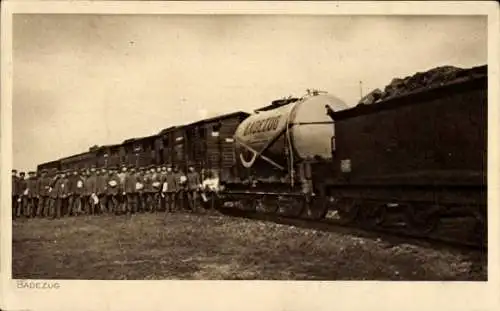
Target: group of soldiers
{"x": 123, "y": 190}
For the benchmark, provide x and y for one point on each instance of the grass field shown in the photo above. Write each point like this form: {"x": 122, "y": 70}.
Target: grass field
{"x": 189, "y": 246}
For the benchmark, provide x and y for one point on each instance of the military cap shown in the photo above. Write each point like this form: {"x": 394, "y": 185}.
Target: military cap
{"x": 21, "y": 173}
{"x": 132, "y": 169}
{"x": 31, "y": 173}
{"x": 14, "y": 171}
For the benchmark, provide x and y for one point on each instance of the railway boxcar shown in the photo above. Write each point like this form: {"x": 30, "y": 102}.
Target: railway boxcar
{"x": 165, "y": 140}
{"x": 140, "y": 151}
{"x": 205, "y": 144}
{"x": 109, "y": 155}
{"x": 424, "y": 152}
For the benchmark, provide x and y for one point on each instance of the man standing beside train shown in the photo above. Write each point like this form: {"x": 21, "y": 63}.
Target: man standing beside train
{"x": 130, "y": 192}
{"x": 32, "y": 195}
{"x": 180, "y": 179}
{"x": 60, "y": 195}
{"x": 193, "y": 186}
{"x": 122, "y": 195}
{"x": 43, "y": 191}
{"x": 101, "y": 189}
{"x": 76, "y": 194}
{"x": 15, "y": 196}
{"x": 113, "y": 188}
{"x": 156, "y": 182}
{"x": 148, "y": 189}
{"x": 90, "y": 192}
{"x": 21, "y": 194}
{"x": 163, "y": 190}
{"x": 170, "y": 187}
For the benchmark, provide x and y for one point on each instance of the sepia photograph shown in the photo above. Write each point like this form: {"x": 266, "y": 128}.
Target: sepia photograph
{"x": 244, "y": 146}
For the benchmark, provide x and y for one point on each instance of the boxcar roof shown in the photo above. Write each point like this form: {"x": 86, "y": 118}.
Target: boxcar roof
{"x": 131, "y": 140}
{"x": 220, "y": 117}
{"x": 48, "y": 163}
{"x": 75, "y": 155}
{"x": 166, "y": 130}
{"x": 477, "y": 80}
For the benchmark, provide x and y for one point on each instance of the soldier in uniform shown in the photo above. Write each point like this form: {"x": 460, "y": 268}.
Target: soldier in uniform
{"x": 113, "y": 189}
{"x": 163, "y": 176}
{"x": 156, "y": 182}
{"x": 32, "y": 195}
{"x": 43, "y": 191}
{"x": 15, "y": 196}
{"x": 171, "y": 188}
{"x": 59, "y": 195}
{"x": 65, "y": 194}
{"x": 140, "y": 189}
{"x": 130, "y": 192}
{"x": 193, "y": 186}
{"x": 101, "y": 188}
{"x": 53, "y": 192}
{"x": 91, "y": 191}
{"x": 21, "y": 194}
{"x": 76, "y": 194}
{"x": 148, "y": 189}
{"x": 122, "y": 195}
{"x": 180, "y": 179}
{"x": 84, "y": 174}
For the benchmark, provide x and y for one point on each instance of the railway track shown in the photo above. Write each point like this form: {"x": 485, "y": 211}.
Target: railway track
{"x": 392, "y": 235}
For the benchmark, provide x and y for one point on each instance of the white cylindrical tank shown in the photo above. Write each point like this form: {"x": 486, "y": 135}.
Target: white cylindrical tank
{"x": 310, "y": 130}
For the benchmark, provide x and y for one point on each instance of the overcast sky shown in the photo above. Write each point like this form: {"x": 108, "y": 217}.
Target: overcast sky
{"x": 81, "y": 80}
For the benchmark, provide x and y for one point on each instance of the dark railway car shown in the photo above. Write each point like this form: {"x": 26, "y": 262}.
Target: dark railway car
{"x": 425, "y": 151}
{"x": 109, "y": 155}
{"x": 165, "y": 141}
{"x": 140, "y": 151}
{"x": 206, "y": 144}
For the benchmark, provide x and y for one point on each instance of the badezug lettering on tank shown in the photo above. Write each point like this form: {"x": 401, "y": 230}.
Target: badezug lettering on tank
{"x": 259, "y": 126}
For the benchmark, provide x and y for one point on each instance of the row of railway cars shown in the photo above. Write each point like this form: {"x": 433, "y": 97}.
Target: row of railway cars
{"x": 203, "y": 144}
{"x": 420, "y": 155}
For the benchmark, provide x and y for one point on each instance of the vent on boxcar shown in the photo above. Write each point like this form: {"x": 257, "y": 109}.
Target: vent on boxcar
{"x": 216, "y": 129}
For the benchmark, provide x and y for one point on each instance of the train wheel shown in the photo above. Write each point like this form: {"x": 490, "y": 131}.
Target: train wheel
{"x": 291, "y": 207}
{"x": 267, "y": 204}
{"x": 348, "y": 210}
{"x": 318, "y": 207}
{"x": 422, "y": 218}
{"x": 248, "y": 205}
{"x": 374, "y": 215}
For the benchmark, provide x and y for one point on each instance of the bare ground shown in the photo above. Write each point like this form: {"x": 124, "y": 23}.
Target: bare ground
{"x": 189, "y": 246}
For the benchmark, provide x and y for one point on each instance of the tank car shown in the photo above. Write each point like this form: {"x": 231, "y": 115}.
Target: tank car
{"x": 275, "y": 148}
